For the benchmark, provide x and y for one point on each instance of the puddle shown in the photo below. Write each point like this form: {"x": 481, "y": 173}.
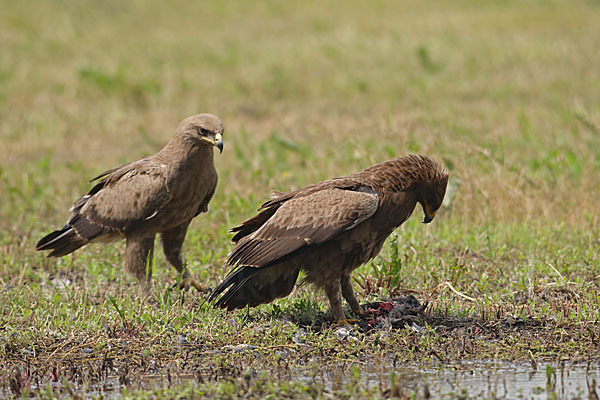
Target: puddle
{"x": 514, "y": 380}
{"x": 519, "y": 380}
{"x": 466, "y": 379}
{"x": 485, "y": 379}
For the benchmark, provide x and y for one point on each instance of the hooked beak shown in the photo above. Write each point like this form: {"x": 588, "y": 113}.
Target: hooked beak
{"x": 219, "y": 142}
{"x": 428, "y": 216}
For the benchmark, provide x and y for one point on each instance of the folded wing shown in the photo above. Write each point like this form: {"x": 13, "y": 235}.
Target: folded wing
{"x": 302, "y": 221}
{"x": 124, "y": 197}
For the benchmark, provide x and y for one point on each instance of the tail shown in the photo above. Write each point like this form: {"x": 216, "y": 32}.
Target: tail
{"x": 251, "y": 286}
{"x": 61, "y": 242}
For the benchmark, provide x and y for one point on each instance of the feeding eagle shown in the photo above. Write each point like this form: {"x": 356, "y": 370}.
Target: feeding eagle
{"x": 327, "y": 229}
{"x": 157, "y": 194}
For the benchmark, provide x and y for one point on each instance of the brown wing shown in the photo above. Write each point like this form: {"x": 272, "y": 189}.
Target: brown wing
{"x": 130, "y": 194}
{"x": 126, "y": 195}
{"x": 269, "y": 208}
{"x": 302, "y": 221}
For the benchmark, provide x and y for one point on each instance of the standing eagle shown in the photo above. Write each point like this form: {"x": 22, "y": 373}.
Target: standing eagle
{"x": 157, "y": 194}
{"x": 327, "y": 229}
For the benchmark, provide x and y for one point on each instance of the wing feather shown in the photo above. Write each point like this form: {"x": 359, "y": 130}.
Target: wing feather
{"x": 302, "y": 221}
{"x": 125, "y": 196}
{"x": 269, "y": 208}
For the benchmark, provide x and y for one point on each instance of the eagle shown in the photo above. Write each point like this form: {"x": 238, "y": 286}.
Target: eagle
{"x": 327, "y": 229}
{"x": 156, "y": 194}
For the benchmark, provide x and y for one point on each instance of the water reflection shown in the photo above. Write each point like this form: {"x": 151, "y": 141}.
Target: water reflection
{"x": 481, "y": 379}
{"x": 465, "y": 379}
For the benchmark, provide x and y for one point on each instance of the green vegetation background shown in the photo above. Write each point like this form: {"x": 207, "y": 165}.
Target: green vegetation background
{"x": 506, "y": 94}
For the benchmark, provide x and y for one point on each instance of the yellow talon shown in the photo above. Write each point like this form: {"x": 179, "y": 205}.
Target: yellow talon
{"x": 345, "y": 322}
{"x": 198, "y": 286}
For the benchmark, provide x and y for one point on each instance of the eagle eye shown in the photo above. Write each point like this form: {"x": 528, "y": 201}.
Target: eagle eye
{"x": 204, "y": 132}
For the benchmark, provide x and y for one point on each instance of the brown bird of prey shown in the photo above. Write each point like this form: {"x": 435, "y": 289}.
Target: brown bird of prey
{"x": 327, "y": 229}
{"x": 157, "y": 194}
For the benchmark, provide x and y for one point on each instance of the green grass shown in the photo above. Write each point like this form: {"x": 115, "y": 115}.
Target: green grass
{"x": 506, "y": 94}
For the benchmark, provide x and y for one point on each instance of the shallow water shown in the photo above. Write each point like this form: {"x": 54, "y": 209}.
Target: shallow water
{"x": 464, "y": 379}
{"x": 509, "y": 380}
{"x": 486, "y": 379}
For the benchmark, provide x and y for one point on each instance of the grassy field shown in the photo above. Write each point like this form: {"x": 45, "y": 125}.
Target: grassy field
{"x": 506, "y": 94}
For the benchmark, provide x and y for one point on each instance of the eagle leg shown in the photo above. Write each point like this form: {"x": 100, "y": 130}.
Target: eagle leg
{"x": 172, "y": 243}
{"x": 333, "y": 291}
{"x": 348, "y": 293}
{"x": 138, "y": 259}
